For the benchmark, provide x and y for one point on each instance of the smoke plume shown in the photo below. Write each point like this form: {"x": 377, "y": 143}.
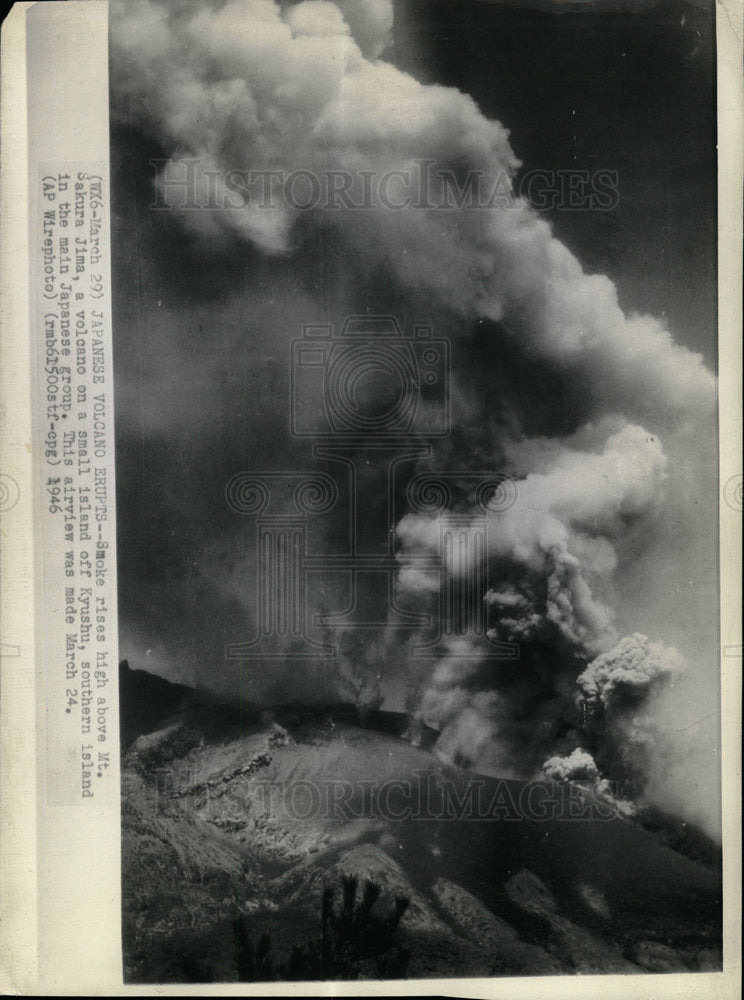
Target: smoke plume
{"x": 602, "y": 423}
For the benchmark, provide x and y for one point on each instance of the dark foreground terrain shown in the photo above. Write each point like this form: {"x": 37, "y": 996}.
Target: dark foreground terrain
{"x": 313, "y": 844}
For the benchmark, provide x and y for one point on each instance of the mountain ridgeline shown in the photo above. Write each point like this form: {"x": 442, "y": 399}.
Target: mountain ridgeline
{"x": 320, "y": 843}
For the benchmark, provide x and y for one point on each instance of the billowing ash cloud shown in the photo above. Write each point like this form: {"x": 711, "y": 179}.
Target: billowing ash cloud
{"x": 599, "y": 419}
{"x": 252, "y": 85}
{"x": 620, "y": 680}
{"x": 550, "y": 548}
{"x": 616, "y": 695}
{"x": 576, "y": 766}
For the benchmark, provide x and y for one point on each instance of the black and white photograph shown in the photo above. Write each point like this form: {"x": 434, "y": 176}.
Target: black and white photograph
{"x": 380, "y": 498}
{"x": 415, "y": 349}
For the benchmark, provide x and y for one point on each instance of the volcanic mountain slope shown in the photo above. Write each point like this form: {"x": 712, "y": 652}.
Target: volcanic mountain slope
{"x": 238, "y": 819}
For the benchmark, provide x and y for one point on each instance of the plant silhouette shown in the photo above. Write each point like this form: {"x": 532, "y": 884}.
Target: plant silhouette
{"x": 357, "y": 940}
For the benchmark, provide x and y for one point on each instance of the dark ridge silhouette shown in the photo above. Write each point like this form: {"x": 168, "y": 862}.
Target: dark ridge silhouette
{"x": 145, "y": 701}
{"x": 148, "y": 701}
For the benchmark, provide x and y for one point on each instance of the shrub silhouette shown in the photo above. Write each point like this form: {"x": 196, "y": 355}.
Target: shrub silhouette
{"x": 356, "y": 941}
{"x": 254, "y": 964}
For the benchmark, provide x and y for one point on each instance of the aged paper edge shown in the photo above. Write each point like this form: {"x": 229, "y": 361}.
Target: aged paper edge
{"x": 18, "y": 845}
